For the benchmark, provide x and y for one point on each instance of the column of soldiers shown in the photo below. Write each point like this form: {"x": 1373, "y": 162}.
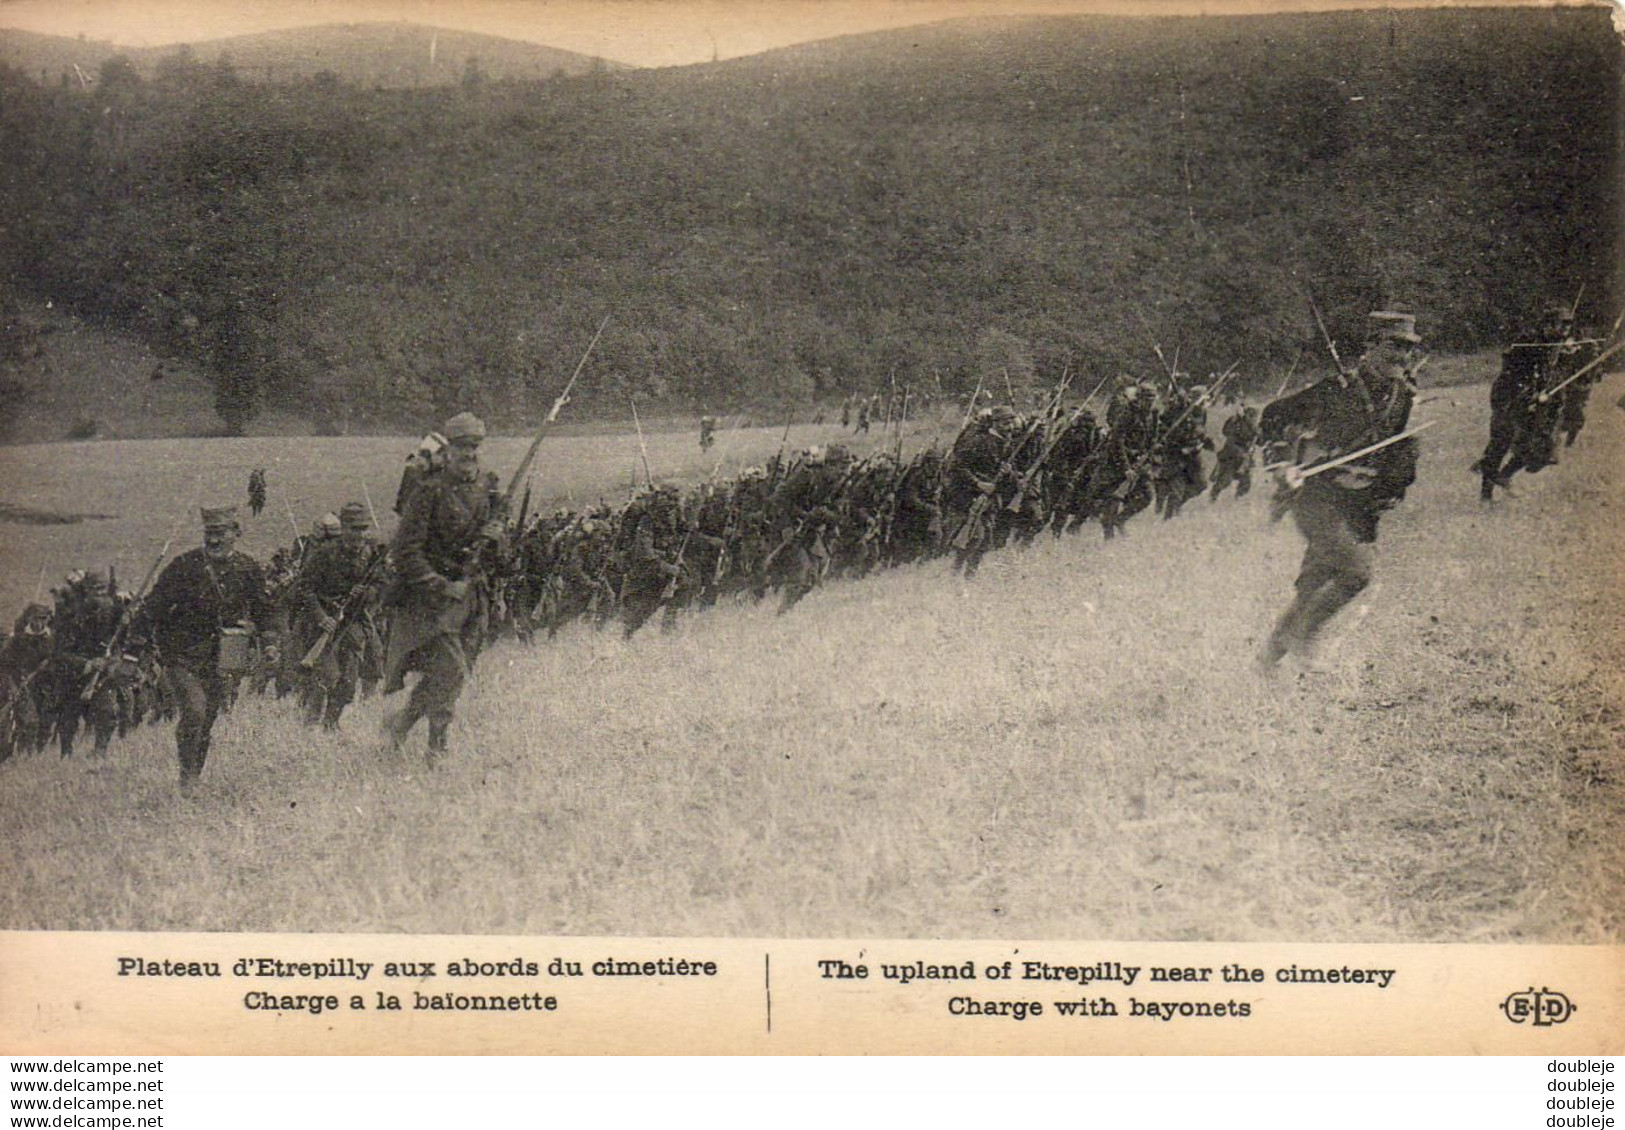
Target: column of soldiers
{"x": 336, "y": 613}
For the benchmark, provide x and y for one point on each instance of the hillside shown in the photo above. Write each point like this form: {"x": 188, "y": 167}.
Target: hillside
{"x": 368, "y": 55}
{"x": 1075, "y": 745}
{"x": 939, "y": 206}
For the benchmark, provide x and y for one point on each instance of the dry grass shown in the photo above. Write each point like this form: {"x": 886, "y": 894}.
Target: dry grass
{"x": 1074, "y": 745}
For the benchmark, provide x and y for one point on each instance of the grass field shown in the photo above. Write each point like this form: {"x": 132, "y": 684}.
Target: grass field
{"x": 1076, "y": 744}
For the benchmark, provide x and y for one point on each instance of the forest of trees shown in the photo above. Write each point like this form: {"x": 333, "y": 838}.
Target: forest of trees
{"x": 935, "y": 207}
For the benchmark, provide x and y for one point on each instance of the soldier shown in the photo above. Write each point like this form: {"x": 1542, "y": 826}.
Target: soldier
{"x": 977, "y": 470}
{"x": 439, "y": 606}
{"x": 24, "y": 659}
{"x": 202, "y": 613}
{"x": 1177, "y": 476}
{"x": 1235, "y": 459}
{"x": 863, "y": 417}
{"x": 708, "y": 432}
{"x": 1572, "y": 399}
{"x": 804, "y": 514}
{"x": 1120, "y": 486}
{"x": 1337, "y": 511}
{"x": 647, "y": 546}
{"x": 1523, "y": 420}
{"x": 87, "y": 616}
{"x": 335, "y": 591}
{"x": 256, "y": 491}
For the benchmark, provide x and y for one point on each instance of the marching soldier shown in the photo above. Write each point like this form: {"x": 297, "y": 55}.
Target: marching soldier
{"x": 650, "y": 537}
{"x": 203, "y": 613}
{"x": 1337, "y": 511}
{"x": 87, "y": 618}
{"x": 439, "y": 606}
{"x": 335, "y": 589}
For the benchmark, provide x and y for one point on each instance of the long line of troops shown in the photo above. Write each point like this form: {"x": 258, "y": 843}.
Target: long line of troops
{"x": 337, "y": 613}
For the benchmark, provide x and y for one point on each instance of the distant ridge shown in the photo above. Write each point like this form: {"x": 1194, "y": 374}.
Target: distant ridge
{"x": 391, "y": 55}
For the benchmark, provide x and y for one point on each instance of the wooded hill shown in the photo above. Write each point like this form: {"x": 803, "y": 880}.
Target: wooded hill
{"x": 947, "y": 204}
{"x": 367, "y": 54}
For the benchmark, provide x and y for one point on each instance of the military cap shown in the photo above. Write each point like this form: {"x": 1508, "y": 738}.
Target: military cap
{"x": 1395, "y": 326}
{"x": 220, "y": 518}
{"x": 837, "y": 453}
{"x": 354, "y": 516}
{"x": 93, "y": 581}
{"x": 464, "y": 428}
{"x": 328, "y": 525}
{"x": 813, "y": 455}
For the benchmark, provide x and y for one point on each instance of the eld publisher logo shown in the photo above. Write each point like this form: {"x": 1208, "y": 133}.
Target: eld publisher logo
{"x": 1542, "y": 1009}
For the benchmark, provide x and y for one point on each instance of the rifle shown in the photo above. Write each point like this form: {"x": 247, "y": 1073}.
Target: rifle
{"x": 475, "y": 560}
{"x": 116, "y": 640}
{"x": 1580, "y": 372}
{"x": 1151, "y": 452}
{"x": 801, "y": 526}
{"x": 1050, "y": 442}
{"x": 979, "y": 505}
{"x": 1330, "y": 344}
{"x": 348, "y": 609}
{"x": 1286, "y": 380}
{"x": 1296, "y": 475}
{"x": 643, "y": 448}
{"x": 373, "y": 514}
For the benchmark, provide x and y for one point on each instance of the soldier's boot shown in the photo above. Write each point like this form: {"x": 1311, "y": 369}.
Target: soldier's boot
{"x": 397, "y": 724}
{"x": 331, "y": 714}
{"x": 438, "y": 729}
{"x": 103, "y": 738}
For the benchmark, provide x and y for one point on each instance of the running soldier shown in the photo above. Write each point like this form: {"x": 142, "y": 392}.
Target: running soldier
{"x": 1234, "y": 463}
{"x": 438, "y": 602}
{"x": 203, "y": 612}
{"x": 1337, "y": 511}
{"x": 1523, "y": 419}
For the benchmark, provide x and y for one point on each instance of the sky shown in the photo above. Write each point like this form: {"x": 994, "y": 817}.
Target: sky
{"x": 638, "y": 32}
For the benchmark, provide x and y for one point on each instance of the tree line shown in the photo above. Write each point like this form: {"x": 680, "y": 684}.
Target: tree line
{"x": 1000, "y": 201}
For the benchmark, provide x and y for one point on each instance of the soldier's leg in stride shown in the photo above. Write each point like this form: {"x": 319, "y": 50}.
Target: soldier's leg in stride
{"x": 801, "y": 574}
{"x": 1336, "y": 568}
{"x": 1574, "y": 412}
{"x": 340, "y": 692}
{"x": 102, "y": 715}
{"x": 1503, "y": 427}
{"x": 442, "y": 672}
{"x": 197, "y": 708}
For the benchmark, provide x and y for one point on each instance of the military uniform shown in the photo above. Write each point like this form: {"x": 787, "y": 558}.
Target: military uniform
{"x": 437, "y": 617}
{"x": 648, "y": 541}
{"x": 1337, "y": 511}
{"x": 1523, "y": 420}
{"x": 1234, "y": 463}
{"x": 200, "y": 596}
{"x": 87, "y": 618}
{"x": 334, "y": 592}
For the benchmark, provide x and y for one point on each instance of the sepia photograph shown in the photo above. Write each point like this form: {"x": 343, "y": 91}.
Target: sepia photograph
{"x": 774, "y": 469}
